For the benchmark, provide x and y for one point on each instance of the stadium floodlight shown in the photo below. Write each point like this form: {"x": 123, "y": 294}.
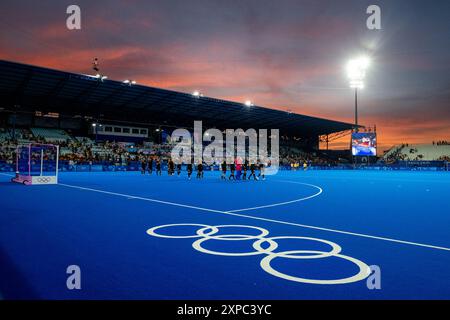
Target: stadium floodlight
{"x": 248, "y": 103}
{"x": 95, "y": 127}
{"x": 356, "y": 72}
{"x": 104, "y": 78}
{"x": 129, "y": 82}
{"x": 197, "y": 94}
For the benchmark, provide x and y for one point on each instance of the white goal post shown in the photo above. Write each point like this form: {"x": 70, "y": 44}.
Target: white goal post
{"x": 37, "y": 164}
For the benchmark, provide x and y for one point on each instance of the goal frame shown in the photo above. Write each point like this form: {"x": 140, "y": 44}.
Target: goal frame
{"x": 27, "y": 178}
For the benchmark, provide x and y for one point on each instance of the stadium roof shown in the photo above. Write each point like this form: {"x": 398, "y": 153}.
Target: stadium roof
{"x": 65, "y": 92}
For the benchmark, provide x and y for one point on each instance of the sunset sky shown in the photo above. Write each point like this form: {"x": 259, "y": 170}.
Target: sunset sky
{"x": 283, "y": 54}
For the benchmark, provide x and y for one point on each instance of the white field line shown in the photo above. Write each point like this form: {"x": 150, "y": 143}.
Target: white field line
{"x": 260, "y": 218}
{"x": 233, "y": 213}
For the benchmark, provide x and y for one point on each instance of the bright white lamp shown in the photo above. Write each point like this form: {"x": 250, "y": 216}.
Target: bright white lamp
{"x": 356, "y": 72}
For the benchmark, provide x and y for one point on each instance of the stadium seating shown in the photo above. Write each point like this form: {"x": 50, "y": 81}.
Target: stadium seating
{"x": 83, "y": 150}
{"x": 51, "y": 135}
{"x": 64, "y": 151}
{"x": 425, "y": 152}
{"x": 22, "y": 136}
{"x": 4, "y": 136}
{"x": 85, "y": 140}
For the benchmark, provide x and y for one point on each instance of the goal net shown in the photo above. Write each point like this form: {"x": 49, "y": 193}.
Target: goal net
{"x": 37, "y": 164}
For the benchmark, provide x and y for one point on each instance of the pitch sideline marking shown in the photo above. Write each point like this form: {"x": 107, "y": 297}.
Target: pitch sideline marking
{"x": 362, "y": 235}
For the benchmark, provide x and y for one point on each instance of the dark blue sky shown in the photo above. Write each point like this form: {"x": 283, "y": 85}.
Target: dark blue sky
{"x": 282, "y": 54}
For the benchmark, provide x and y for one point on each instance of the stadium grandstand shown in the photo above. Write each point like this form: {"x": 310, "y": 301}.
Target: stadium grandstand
{"x": 436, "y": 151}
{"x": 95, "y": 119}
{"x": 98, "y": 121}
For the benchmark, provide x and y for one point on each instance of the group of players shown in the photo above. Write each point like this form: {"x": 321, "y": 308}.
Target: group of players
{"x": 238, "y": 169}
{"x": 147, "y": 165}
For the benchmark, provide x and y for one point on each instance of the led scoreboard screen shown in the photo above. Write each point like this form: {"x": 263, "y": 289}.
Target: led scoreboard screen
{"x": 364, "y": 144}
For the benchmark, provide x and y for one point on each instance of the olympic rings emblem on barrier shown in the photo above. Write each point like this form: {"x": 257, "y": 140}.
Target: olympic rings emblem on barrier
{"x": 207, "y": 232}
{"x": 43, "y": 179}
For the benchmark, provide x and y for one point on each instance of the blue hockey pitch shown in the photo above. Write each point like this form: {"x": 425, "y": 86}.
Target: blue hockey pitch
{"x": 296, "y": 235}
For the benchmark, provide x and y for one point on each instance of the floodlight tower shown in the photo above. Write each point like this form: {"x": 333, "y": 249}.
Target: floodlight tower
{"x": 356, "y": 72}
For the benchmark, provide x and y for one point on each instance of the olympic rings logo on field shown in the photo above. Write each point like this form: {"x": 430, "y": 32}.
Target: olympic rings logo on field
{"x": 207, "y": 232}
